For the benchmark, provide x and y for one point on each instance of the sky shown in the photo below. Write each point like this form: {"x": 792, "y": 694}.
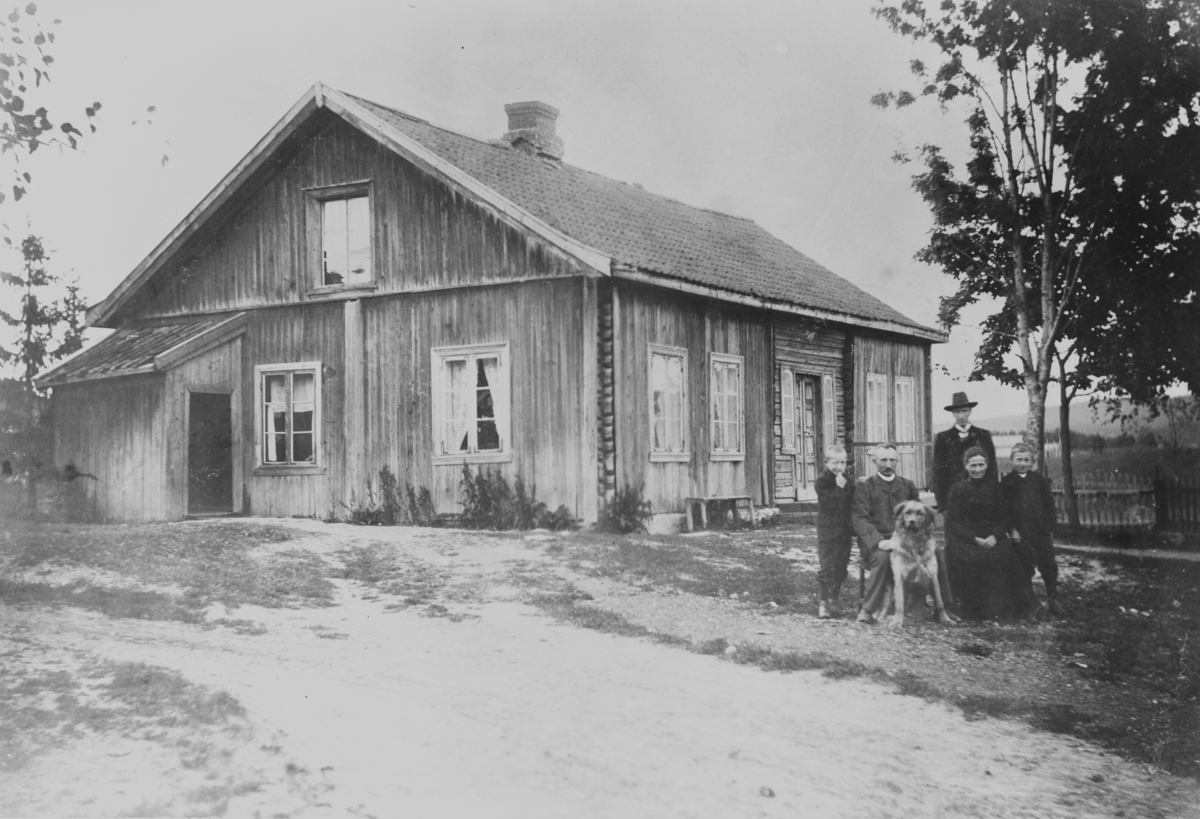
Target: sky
{"x": 760, "y": 109}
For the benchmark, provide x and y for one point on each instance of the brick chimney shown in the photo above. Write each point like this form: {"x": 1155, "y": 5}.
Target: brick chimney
{"x": 531, "y": 129}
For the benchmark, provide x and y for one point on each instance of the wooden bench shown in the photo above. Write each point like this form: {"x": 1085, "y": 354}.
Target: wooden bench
{"x": 720, "y": 506}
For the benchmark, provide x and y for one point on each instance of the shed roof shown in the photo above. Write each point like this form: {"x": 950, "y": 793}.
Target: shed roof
{"x": 136, "y": 350}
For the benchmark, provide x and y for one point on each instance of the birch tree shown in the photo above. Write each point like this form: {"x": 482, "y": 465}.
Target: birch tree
{"x": 1077, "y": 212}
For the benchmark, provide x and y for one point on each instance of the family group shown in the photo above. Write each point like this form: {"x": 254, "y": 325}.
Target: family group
{"x": 998, "y": 531}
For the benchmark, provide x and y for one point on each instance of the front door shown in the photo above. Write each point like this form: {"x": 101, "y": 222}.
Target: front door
{"x": 210, "y": 453}
{"x": 800, "y": 431}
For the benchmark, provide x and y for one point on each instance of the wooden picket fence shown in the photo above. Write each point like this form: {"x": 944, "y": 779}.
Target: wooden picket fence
{"x": 1124, "y": 502}
{"x": 1178, "y": 503}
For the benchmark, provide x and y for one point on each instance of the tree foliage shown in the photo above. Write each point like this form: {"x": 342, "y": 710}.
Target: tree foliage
{"x": 25, "y": 61}
{"x": 47, "y": 329}
{"x": 1078, "y": 210}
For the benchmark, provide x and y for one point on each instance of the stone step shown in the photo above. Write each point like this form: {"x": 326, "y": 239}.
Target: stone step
{"x": 797, "y": 507}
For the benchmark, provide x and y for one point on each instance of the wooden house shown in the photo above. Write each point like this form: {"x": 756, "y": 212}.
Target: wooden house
{"x": 365, "y": 289}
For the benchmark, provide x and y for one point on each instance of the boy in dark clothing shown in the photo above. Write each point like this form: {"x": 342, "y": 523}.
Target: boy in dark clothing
{"x": 834, "y": 494}
{"x": 1031, "y": 515}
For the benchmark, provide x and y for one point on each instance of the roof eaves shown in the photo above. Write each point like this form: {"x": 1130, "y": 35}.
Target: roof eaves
{"x": 661, "y": 280}
{"x": 47, "y": 380}
{"x": 102, "y": 313}
{"x": 193, "y": 345}
{"x": 46, "y": 377}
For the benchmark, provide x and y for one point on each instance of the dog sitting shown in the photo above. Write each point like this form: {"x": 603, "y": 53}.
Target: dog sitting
{"x": 914, "y": 562}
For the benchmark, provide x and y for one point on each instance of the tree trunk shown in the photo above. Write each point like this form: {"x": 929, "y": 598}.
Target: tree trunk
{"x": 1035, "y": 421}
{"x": 1064, "y": 437}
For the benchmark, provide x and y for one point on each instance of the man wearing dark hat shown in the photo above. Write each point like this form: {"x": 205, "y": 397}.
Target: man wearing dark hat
{"x": 949, "y": 446}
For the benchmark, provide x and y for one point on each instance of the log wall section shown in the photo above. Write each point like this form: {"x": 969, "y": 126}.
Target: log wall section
{"x": 646, "y": 315}
{"x": 812, "y": 348}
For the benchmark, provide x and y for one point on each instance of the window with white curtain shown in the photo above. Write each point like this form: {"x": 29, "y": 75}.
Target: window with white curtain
{"x": 726, "y": 422}
{"x": 828, "y": 411}
{"x": 787, "y": 410}
{"x": 668, "y": 404}
{"x": 877, "y": 408}
{"x": 906, "y": 410}
{"x": 472, "y": 408}
{"x": 288, "y": 422}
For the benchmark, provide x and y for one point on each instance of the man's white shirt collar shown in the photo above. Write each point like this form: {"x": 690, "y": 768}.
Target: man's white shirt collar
{"x": 888, "y": 478}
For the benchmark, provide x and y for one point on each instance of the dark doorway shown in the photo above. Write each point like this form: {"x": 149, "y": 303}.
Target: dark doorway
{"x": 210, "y": 454}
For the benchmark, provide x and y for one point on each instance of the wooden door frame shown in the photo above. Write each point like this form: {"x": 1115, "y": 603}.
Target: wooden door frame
{"x": 803, "y": 371}
{"x": 235, "y": 506}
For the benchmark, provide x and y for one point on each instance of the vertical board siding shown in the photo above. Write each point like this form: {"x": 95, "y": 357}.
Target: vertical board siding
{"x": 425, "y": 235}
{"x": 811, "y": 348}
{"x": 114, "y": 429}
{"x": 891, "y": 357}
{"x": 647, "y": 315}
{"x": 285, "y": 336}
{"x": 552, "y": 346}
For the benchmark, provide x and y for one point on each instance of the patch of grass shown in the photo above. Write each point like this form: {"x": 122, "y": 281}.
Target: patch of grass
{"x": 125, "y": 603}
{"x": 563, "y": 606}
{"x": 749, "y": 565}
{"x": 168, "y": 699}
{"x": 41, "y": 709}
{"x": 211, "y": 563}
{"x": 379, "y": 567}
{"x": 1145, "y": 667}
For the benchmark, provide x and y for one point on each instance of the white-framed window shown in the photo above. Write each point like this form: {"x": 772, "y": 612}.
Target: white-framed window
{"x": 471, "y": 404}
{"x": 787, "y": 410}
{"x": 877, "y": 408}
{"x": 828, "y": 411}
{"x": 341, "y": 235}
{"x": 906, "y": 409}
{"x": 726, "y": 413}
{"x": 288, "y": 421}
{"x": 668, "y": 403}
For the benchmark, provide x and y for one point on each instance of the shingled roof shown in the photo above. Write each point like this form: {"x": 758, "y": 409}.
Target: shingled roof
{"x": 645, "y": 231}
{"x": 148, "y": 349}
{"x": 612, "y": 227}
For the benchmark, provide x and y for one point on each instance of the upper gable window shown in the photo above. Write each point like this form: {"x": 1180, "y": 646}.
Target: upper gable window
{"x": 341, "y": 239}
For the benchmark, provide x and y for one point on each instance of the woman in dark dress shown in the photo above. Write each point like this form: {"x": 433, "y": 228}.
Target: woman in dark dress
{"x": 986, "y": 573}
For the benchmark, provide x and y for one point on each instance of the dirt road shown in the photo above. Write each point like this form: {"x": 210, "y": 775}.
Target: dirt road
{"x": 497, "y": 710}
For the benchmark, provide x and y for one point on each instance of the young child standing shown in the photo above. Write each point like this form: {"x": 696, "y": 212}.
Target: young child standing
{"x": 1031, "y": 514}
{"x": 834, "y": 495}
